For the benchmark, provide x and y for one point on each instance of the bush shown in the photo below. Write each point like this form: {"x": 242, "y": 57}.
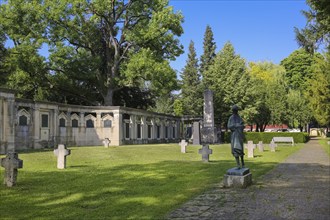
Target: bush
{"x": 266, "y": 137}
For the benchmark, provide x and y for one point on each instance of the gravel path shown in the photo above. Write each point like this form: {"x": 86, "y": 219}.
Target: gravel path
{"x": 298, "y": 188}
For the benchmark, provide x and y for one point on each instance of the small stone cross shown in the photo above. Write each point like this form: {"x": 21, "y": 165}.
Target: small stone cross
{"x": 106, "y": 142}
{"x": 260, "y": 146}
{"x": 61, "y": 152}
{"x": 205, "y": 151}
{"x": 250, "y": 147}
{"x": 272, "y": 146}
{"x": 11, "y": 163}
{"x": 183, "y": 145}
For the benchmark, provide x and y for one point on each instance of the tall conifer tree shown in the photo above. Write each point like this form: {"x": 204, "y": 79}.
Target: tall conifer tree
{"x": 191, "y": 84}
{"x": 209, "y": 48}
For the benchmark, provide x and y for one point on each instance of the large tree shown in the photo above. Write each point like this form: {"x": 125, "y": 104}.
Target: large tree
{"x": 318, "y": 92}
{"x": 317, "y": 30}
{"x": 209, "y": 48}
{"x": 91, "y": 43}
{"x": 191, "y": 91}
{"x": 228, "y": 79}
{"x": 298, "y": 111}
{"x": 267, "y": 95}
{"x": 3, "y": 56}
{"x": 298, "y": 66}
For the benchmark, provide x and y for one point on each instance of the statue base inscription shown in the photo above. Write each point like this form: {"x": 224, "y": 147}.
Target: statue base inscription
{"x": 237, "y": 178}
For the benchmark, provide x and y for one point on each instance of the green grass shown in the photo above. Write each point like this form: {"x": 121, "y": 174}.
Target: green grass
{"x": 126, "y": 182}
{"x": 325, "y": 145}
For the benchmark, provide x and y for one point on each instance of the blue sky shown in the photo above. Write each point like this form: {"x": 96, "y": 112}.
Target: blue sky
{"x": 260, "y": 30}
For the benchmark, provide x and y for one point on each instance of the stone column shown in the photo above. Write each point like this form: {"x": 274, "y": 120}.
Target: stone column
{"x": 98, "y": 120}
{"x": 82, "y": 119}
{"x": 8, "y": 123}
{"x": 55, "y": 128}
{"x": 144, "y": 128}
{"x": 36, "y": 126}
{"x": 117, "y": 134}
{"x": 133, "y": 127}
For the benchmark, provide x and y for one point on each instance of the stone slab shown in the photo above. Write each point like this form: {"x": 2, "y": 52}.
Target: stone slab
{"x": 196, "y": 134}
{"x": 238, "y": 172}
{"x": 233, "y": 181}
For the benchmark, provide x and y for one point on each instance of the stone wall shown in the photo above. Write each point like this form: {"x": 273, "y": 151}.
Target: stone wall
{"x": 26, "y": 124}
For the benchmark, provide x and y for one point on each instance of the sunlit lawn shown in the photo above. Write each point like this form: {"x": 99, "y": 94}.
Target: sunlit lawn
{"x": 326, "y": 146}
{"x": 126, "y": 182}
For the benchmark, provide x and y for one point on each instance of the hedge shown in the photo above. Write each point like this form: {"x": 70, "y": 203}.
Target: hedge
{"x": 266, "y": 137}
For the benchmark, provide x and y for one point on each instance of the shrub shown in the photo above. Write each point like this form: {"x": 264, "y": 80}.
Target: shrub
{"x": 266, "y": 137}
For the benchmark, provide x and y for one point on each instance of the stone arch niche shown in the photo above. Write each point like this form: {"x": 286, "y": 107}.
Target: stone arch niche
{"x": 62, "y": 120}
{"x": 24, "y": 128}
{"x": 106, "y": 127}
{"x": 74, "y": 120}
{"x": 107, "y": 121}
{"x": 24, "y": 117}
{"x": 90, "y": 121}
{"x": 92, "y": 137}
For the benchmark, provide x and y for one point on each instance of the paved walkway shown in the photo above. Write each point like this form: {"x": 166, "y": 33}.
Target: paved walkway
{"x": 298, "y": 188}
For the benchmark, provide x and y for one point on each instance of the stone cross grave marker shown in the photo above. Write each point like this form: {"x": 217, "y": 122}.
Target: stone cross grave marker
{"x": 205, "y": 151}
{"x": 106, "y": 142}
{"x": 260, "y": 146}
{"x": 61, "y": 152}
{"x": 272, "y": 146}
{"x": 183, "y": 145}
{"x": 11, "y": 163}
{"x": 250, "y": 147}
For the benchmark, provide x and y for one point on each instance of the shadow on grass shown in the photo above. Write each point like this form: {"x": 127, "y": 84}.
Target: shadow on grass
{"x": 105, "y": 189}
{"x": 122, "y": 192}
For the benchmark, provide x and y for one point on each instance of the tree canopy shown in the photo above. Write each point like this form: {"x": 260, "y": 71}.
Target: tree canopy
{"x": 209, "y": 47}
{"x": 317, "y": 30}
{"x": 191, "y": 90}
{"x": 95, "y": 47}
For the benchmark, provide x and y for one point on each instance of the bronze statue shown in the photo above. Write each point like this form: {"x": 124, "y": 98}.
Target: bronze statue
{"x": 236, "y": 126}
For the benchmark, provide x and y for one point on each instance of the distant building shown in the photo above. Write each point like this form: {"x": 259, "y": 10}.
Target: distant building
{"x": 27, "y": 124}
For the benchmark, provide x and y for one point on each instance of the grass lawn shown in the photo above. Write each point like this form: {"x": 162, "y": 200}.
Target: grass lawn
{"x": 326, "y": 146}
{"x": 126, "y": 182}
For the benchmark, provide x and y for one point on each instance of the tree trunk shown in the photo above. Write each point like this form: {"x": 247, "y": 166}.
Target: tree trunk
{"x": 257, "y": 127}
{"x": 108, "y": 99}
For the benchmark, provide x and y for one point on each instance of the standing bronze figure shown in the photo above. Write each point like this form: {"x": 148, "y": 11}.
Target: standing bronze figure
{"x": 236, "y": 126}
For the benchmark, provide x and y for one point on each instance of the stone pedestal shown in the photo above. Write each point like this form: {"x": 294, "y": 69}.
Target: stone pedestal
{"x": 237, "y": 178}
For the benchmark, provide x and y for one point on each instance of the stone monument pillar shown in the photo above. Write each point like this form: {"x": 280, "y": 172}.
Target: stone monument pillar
{"x": 208, "y": 133}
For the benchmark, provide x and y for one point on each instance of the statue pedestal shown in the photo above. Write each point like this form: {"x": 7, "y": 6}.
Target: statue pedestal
{"x": 237, "y": 178}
